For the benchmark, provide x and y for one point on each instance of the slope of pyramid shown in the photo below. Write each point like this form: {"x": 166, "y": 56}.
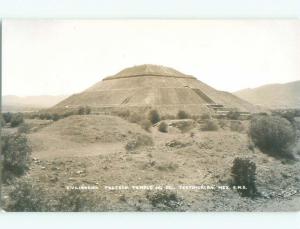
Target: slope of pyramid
{"x": 151, "y": 86}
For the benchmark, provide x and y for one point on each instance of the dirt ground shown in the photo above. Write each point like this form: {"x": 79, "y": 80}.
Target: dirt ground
{"x": 89, "y": 150}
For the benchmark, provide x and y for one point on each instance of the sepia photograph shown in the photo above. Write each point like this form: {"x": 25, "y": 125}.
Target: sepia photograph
{"x": 150, "y": 115}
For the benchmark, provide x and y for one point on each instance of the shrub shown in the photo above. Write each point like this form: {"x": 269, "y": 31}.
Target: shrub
{"x": 251, "y": 146}
{"x": 55, "y": 117}
{"x": 289, "y": 115}
{"x": 210, "y": 125}
{"x": 123, "y": 114}
{"x": 163, "y": 127}
{"x": 139, "y": 141}
{"x": 272, "y": 134}
{"x": 68, "y": 113}
{"x": 167, "y": 167}
{"x": 297, "y": 148}
{"x": 236, "y": 126}
{"x": 154, "y": 116}
{"x": 46, "y": 116}
{"x": 23, "y": 128}
{"x": 234, "y": 115}
{"x": 205, "y": 116}
{"x": 26, "y": 197}
{"x": 7, "y": 117}
{"x": 16, "y": 152}
{"x": 88, "y": 110}
{"x": 222, "y": 123}
{"x": 184, "y": 126}
{"x": 76, "y": 201}
{"x": 42, "y": 116}
{"x": 16, "y": 120}
{"x": 243, "y": 173}
{"x": 2, "y": 121}
{"x": 164, "y": 200}
{"x": 81, "y": 110}
{"x": 182, "y": 115}
{"x": 146, "y": 125}
{"x": 84, "y": 110}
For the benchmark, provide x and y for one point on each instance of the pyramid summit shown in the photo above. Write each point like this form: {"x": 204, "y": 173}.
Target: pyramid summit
{"x": 145, "y": 87}
{"x": 148, "y": 70}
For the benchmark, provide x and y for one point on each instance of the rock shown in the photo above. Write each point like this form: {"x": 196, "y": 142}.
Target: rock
{"x": 79, "y": 172}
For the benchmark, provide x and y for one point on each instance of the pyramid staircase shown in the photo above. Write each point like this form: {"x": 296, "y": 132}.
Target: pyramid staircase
{"x": 222, "y": 112}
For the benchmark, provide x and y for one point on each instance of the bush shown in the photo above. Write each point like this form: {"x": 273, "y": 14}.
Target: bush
{"x": 123, "y": 114}
{"x": 88, "y": 110}
{"x": 163, "y": 127}
{"x": 2, "y": 121}
{"x": 184, "y": 125}
{"x": 236, "y": 126}
{"x": 210, "y": 125}
{"x": 222, "y": 123}
{"x": 139, "y": 141}
{"x": 234, "y": 115}
{"x": 164, "y": 200}
{"x": 43, "y": 116}
{"x": 68, "y": 113}
{"x": 81, "y": 110}
{"x": 243, "y": 173}
{"x": 16, "y": 152}
{"x": 23, "y": 128}
{"x": 56, "y": 117}
{"x": 16, "y": 120}
{"x": 205, "y": 116}
{"x": 167, "y": 167}
{"x": 154, "y": 116}
{"x": 146, "y": 125}
{"x": 84, "y": 110}
{"x": 297, "y": 148}
{"x": 76, "y": 201}
{"x": 182, "y": 115}
{"x": 289, "y": 115}
{"x": 273, "y": 135}
{"x": 7, "y": 117}
{"x": 26, "y": 197}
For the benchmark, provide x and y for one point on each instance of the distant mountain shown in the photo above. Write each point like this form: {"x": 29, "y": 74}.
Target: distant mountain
{"x": 14, "y": 103}
{"x": 274, "y": 96}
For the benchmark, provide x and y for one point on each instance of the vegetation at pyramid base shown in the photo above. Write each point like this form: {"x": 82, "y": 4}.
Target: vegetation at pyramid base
{"x": 273, "y": 135}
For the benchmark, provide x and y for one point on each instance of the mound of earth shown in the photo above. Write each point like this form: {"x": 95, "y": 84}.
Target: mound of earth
{"x": 82, "y": 134}
{"x": 94, "y": 128}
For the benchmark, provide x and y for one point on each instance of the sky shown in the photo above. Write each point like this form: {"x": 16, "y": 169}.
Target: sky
{"x": 62, "y": 57}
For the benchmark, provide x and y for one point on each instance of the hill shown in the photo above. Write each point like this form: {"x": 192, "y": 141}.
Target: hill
{"x": 274, "y": 96}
